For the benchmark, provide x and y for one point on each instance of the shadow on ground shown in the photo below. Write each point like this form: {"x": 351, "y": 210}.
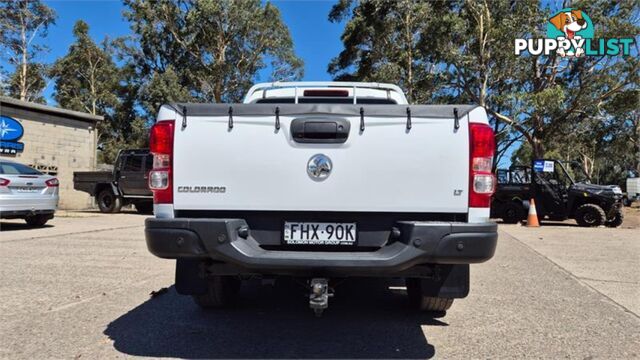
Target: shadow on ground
{"x": 566, "y": 223}
{"x": 364, "y": 320}
{"x": 126, "y": 211}
{"x": 12, "y": 226}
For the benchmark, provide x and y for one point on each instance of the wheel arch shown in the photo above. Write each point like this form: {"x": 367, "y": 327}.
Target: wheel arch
{"x": 101, "y": 186}
{"x": 579, "y": 201}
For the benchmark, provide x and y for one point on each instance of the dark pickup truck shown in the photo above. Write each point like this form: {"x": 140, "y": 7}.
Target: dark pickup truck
{"x": 126, "y": 184}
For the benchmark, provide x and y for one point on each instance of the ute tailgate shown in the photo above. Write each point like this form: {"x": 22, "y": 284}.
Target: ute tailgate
{"x": 241, "y": 161}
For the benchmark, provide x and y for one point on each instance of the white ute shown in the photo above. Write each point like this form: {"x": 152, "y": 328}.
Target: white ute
{"x": 322, "y": 180}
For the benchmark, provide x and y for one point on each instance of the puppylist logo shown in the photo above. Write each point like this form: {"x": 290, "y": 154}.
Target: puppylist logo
{"x": 570, "y": 33}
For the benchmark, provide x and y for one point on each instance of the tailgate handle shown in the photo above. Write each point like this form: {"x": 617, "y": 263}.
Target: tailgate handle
{"x": 320, "y": 131}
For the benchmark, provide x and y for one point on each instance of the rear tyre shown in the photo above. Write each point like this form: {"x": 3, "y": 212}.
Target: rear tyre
{"x": 512, "y": 213}
{"x": 144, "y": 207}
{"x": 590, "y": 215}
{"x": 37, "y": 220}
{"x": 108, "y": 202}
{"x": 438, "y": 305}
{"x": 221, "y": 291}
{"x": 617, "y": 219}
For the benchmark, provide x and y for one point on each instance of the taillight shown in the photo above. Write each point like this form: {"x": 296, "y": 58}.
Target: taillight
{"x": 161, "y": 146}
{"x": 4, "y": 182}
{"x": 482, "y": 182}
{"x": 52, "y": 182}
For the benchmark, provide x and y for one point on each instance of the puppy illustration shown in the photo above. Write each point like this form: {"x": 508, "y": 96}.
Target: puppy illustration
{"x": 569, "y": 22}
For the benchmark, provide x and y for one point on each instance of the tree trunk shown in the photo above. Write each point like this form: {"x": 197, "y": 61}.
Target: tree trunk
{"x": 409, "y": 42}
{"x": 587, "y": 166}
{"x": 217, "y": 92}
{"x": 483, "y": 70}
{"x": 537, "y": 147}
{"x": 23, "y": 65}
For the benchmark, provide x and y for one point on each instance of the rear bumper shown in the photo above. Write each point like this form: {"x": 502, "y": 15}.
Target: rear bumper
{"x": 18, "y": 214}
{"x": 25, "y": 204}
{"x": 418, "y": 243}
{"x": 14, "y": 206}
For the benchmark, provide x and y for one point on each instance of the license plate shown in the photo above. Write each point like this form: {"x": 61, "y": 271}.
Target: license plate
{"x": 311, "y": 233}
{"x": 27, "y": 189}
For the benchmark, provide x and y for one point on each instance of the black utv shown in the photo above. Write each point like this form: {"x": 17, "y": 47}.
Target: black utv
{"x": 557, "y": 196}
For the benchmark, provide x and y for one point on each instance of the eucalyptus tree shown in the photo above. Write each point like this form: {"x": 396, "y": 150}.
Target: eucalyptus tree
{"x": 88, "y": 79}
{"x": 381, "y": 43}
{"x": 210, "y": 50}
{"x": 22, "y": 23}
{"x": 465, "y": 51}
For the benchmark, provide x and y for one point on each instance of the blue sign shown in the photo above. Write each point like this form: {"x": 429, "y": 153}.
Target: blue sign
{"x": 543, "y": 166}
{"x": 538, "y": 165}
{"x": 10, "y": 132}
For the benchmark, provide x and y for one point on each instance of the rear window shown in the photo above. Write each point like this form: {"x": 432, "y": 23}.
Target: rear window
{"x": 7, "y": 168}
{"x": 133, "y": 163}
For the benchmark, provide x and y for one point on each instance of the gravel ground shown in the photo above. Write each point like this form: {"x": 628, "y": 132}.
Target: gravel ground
{"x": 632, "y": 217}
{"x": 81, "y": 289}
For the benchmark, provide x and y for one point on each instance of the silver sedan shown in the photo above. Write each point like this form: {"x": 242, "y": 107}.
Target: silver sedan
{"x": 26, "y": 193}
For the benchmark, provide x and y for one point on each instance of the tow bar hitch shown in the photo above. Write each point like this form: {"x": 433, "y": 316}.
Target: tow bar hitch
{"x": 319, "y": 297}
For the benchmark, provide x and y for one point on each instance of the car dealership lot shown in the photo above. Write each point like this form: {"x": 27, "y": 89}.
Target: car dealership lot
{"x": 81, "y": 288}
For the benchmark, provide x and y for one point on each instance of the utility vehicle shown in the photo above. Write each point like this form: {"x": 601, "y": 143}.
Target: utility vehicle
{"x": 126, "y": 184}
{"x": 557, "y": 196}
{"x": 322, "y": 181}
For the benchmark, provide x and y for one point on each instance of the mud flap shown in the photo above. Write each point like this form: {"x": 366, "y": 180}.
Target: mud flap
{"x": 188, "y": 279}
{"x": 450, "y": 281}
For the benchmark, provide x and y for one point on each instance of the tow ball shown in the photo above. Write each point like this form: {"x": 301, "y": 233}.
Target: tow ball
{"x": 319, "y": 297}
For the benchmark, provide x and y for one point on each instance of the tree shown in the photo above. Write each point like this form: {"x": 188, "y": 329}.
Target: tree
{"x": 534, "y": 95}
{"x": 36, "y": 81}
{"x": 625, "y": 108}
{"x": 86, "y": 78}
{"x": 381, "y": 43}
{"x": 470, "y": 44}
{"x": 4, "y": 81}
{"x": 211, "y": 49}
{"x": 618, "y": 139}
{"x": 458, "y": 46}
{"x": 577, "y": 112}
{"x": 162, "y": 88}
{"x": 21, "y": 22}
{"x": 128, "y": 126}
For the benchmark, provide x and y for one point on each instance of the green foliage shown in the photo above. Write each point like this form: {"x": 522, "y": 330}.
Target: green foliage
{"x": 86, "y": 78}
{"x": 22, "y": 22}
{"x": 179, "y": 50}
{"x": 382, "y": 43}
{"x": 129, "y": 128}
{"x": 36, "y": 81}
{"x": 462, "y": 51}
{"x": 162, "y": 88}
{"x": 211, "y": 50}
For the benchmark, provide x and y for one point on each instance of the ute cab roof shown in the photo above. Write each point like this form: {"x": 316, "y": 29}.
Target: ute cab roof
{"x": 334, "y": 92}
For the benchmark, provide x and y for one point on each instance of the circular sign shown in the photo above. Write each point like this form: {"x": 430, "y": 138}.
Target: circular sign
{"x": 10, "y": 129}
